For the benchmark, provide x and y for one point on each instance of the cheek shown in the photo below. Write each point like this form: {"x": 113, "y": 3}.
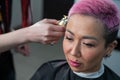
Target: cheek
{"x": 93, "y": 55}
{"x": 87, "y": 55}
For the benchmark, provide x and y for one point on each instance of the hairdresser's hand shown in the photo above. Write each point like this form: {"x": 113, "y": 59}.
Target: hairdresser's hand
{"x": 45, "y": 31}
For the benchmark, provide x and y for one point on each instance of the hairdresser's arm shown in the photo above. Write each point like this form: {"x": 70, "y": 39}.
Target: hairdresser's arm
{"x": 12, "y": 39}
{"x": 45, "y": 32}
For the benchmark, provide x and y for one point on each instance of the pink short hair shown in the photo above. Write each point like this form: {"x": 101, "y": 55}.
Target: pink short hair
{"x": 105, "y": 10}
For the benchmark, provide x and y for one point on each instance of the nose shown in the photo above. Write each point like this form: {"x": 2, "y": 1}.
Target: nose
{"x": 76, "y": 50}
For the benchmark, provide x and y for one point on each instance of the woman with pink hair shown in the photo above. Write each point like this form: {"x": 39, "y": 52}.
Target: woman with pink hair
{"x": 90, "y": 36}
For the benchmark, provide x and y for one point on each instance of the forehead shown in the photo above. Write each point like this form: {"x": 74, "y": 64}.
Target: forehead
{"x": 84, "y": 25}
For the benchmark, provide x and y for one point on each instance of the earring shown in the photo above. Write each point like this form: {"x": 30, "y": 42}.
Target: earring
{"x": 107, "y": 55}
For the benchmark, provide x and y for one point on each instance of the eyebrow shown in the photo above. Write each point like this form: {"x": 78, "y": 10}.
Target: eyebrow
{"x": 84, "y": 37}
{"x": 69, "y": 31}
{"x": 90, "y": 37}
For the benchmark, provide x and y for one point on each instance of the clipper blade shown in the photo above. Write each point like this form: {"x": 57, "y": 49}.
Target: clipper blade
{"x": 63, "y": 21}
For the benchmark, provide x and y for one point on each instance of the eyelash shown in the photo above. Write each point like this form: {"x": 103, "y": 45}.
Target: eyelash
{"x": 68, "y": 38}
{"x": 89, "y": 44}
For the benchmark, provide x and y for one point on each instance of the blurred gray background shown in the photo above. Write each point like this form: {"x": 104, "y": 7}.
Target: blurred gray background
{"x": 26, "y": 66}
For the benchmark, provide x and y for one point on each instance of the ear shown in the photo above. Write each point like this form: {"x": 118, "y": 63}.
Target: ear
{"x": 110, "y": 47}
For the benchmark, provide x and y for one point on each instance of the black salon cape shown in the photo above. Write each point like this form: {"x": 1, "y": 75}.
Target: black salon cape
{"x": 59, "y": 70}
{"x": 7, "y": 70}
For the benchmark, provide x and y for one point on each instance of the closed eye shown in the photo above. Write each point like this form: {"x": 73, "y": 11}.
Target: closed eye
{"x": 68, "y": 38}
{"x": 89, "y": 44}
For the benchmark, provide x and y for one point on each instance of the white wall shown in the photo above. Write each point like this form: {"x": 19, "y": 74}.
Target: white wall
{"x": 25, "y": 66}
{"x": 16, "y": 13}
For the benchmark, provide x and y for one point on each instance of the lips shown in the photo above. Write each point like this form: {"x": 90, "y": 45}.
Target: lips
{"x": 74, "y": 63}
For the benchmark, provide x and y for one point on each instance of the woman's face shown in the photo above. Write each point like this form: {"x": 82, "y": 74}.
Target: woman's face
{"x": 83, "y": 44}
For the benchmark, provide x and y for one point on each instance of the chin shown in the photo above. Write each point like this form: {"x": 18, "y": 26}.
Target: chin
{"x": 76, "y": 69}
